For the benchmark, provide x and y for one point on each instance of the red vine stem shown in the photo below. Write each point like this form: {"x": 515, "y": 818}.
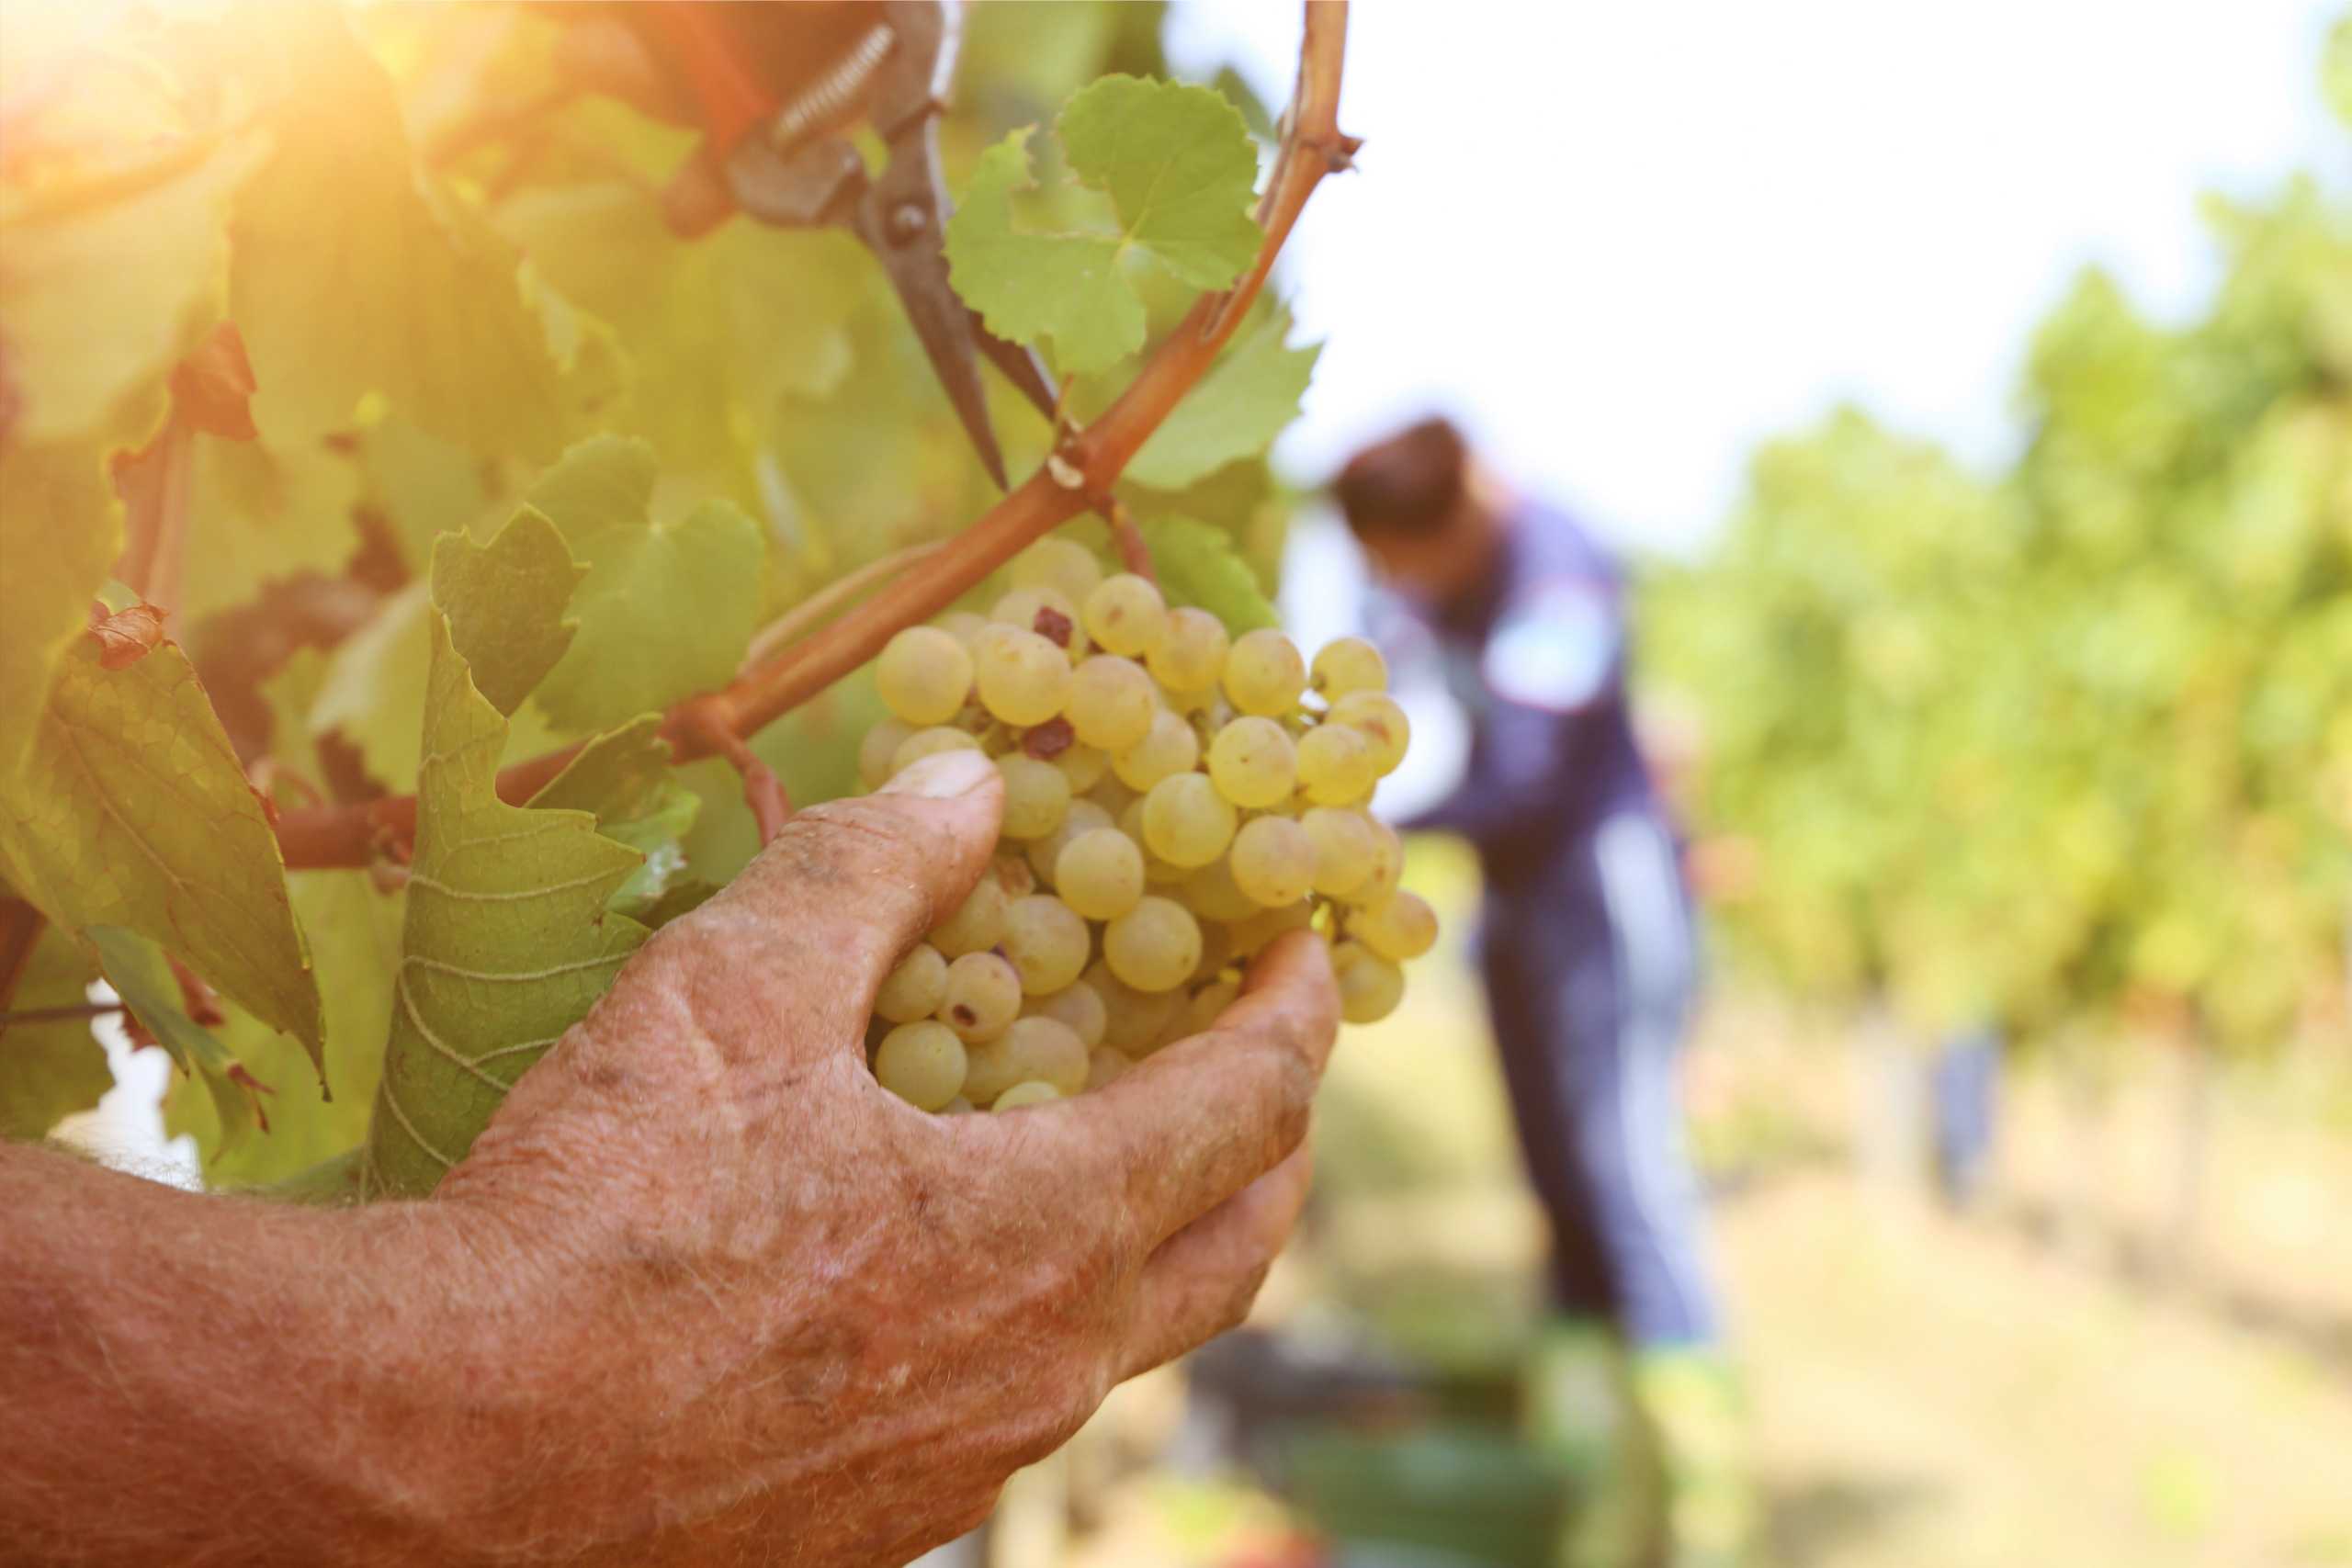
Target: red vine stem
{"x": 1093, "y": 457}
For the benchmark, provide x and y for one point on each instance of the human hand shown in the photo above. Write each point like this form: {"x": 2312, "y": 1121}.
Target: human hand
{"x": 751, "y": 1306}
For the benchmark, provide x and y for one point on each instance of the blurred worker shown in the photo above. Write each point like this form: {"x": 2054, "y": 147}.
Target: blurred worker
{"x": 1590, "y": 964}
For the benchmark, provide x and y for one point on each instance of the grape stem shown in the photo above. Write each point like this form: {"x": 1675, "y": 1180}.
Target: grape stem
{"x": 712, "y": 724}
{"x": 1134, "y": 554}
{"x": 762, "y": 790}
{"x": 828, "y": 602}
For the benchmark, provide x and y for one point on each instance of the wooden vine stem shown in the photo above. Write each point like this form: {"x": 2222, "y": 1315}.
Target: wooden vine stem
{"x": 1080, "y": 470}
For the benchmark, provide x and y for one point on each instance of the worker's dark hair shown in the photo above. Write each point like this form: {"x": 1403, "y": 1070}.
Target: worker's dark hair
{"x": 1407, "y": 483}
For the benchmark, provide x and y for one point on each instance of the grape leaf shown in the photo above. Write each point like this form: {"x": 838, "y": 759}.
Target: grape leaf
{"x": 142, "y": 977}
{"x": 666, "y": 609}
{"x": 60, "y": 528}
{"x": 257, "y": 514}
{"x": 133, "y": 811}
{"x": 622, "y": 776}
{"x": 48, "y": 1071}
{"x": 615, "y": 776}
{"x": 372, "y": 692}
{"x": 1236, "y": 411}
{"x": 354, "y": 275}
{"x": 505, "y": 603}
{"x": 505, "y": 945}
{"x": 1198, "y": 565}
{"x": 354, "y": 946}
{"x": 101, "y": 294}
{"x": 1178, "y": 164}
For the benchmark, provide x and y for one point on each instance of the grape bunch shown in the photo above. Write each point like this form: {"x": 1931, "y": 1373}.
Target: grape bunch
{"x": 1175, "y": 799}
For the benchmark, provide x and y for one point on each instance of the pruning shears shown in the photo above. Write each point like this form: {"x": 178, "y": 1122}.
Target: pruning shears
{"x": 773, "y": 88}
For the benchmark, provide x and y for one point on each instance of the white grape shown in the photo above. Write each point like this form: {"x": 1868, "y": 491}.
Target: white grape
{"x": 1126, "y": 616}
{"x": 925, "y": 675}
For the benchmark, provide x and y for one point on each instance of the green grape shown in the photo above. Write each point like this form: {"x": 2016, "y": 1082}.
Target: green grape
{"x": 1344, "y": 849}
{"x": 1036, "y": 796}
{"x": 923, "y": 675}
{"x": 1253, "y": 936}
{"x": 960, "y": 1106}
{"x": 1125, "y": 615}
{"x": 1103, "y": 1065}
{"x": 982, "y": 995}
{"x": 1370, "y": 986}
{"x": 1063, "y": 565}
{"x": 1185, "y": 821}
{"x": 1383, "y": 723}
{"x": 920, "y": 1062}
{"x": 1348, "y": 664}
{"x": 1157, "y": 873}
{"x": 962, "y": 625}
{"x": 914, "y": 988}
{"x": 1213, "y": 893}
{"x": 1023, "y": 678}
{"x": 1273, "y": 861}
{"x": 930, "y": 743}
{"x": 1083, "y": 766}
{"x": 1111, "y": 701}
{"x": 1189, "y": 656}
{"x": 1399, "y": 927}
{"x": 1100, "y": 874}
{"x": 1335, "y": 764}
{"x": 1077, "y": 1004}
{"x": 1168, "y": 746}
{"x": 1030, "y": 1091}
{"x": 1133, "y": 1020}
{"x": 1040, "y": 1048}
{"x": 977, "y": 922}
{"x": 1046, "y": 941}
{"x": 1201, "y": 1013}
{"x": 1046, "y": 612}
{"x": 1153, "y": 946}
{"x": 1253, "y": 763}
{"x": 1263, "y": 673}
{"x": 1387, "y": 865}
{"x": 876, "y": 750}
{"x": 1083, "y": 815}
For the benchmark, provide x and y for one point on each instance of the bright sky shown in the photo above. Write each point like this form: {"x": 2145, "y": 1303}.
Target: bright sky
{"x": 1627, "y": 241}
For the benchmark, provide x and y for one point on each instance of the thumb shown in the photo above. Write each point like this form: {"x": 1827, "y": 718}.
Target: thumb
{"x": 812, "y": 927}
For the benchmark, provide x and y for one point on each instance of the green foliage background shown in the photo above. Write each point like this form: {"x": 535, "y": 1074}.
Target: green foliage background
{"x": 2070, "y": 744}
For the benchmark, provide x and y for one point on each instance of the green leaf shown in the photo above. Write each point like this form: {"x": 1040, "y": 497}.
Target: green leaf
{"x": 101, "y": 294}
{"x": 618, "y": 776}
{"x": 373, "y": 690}
{"x": 1198, "y": 565}
{"x": 133, "y": 811}
{"x": 355, "y": 276}
{"x": 666, "y": 609}
{"x": 624, "y": 778}
{"x": 1180, "y": 169}
{"x": 142, "y": 977}
{"x": 505, "y": 603}
{"x": 355, "y": 931}
{"x": 505, "y": 945}
{"x": 1178, "y": 164}
{"x": 48, "y": 1071}
{"x": 60, "y": 528}
{"x": 257, "y": 515}
{"x": 1236, "y": 411}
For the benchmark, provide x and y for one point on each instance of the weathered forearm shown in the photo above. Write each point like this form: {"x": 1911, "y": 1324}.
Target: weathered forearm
{"x": 197, "y": 1379}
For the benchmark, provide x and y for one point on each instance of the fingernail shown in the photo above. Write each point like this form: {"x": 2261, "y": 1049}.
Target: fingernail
{"x": 941, "y": 775}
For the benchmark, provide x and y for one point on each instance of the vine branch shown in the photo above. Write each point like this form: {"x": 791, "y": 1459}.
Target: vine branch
{"x": 1082, "y": 469}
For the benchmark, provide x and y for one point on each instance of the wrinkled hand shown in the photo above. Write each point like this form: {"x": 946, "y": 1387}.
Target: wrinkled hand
{"x": 761, "y": 1310}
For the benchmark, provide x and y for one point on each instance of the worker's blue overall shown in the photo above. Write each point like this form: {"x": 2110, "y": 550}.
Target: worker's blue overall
{"x": 1589, "y": 941}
